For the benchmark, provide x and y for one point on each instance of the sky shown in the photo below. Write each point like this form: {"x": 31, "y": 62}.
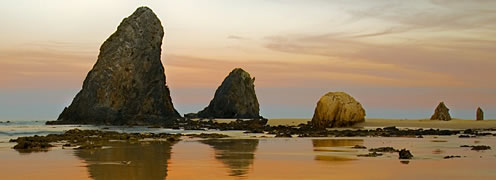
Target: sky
{"x": 398, "y": 58}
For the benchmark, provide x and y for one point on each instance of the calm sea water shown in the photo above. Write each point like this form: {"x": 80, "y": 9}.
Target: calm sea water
{"x": 246, "y": 157}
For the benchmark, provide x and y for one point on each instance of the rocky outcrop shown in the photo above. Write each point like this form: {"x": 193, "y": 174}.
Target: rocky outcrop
{"x": 337, "y": 109}
{"x": 480, "y": 114}
{"x": 127, "y": 83}
{"x": 235, "y": 98}
{"x": 405, "y": 154}
{"x": 441, "y": 113}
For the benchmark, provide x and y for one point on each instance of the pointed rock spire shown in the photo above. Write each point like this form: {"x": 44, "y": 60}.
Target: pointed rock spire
{"x": 235, "y": 98}
{"x": 127, "y": 83}
{"x": 480, "y": 114}
{"x": 441, "y": 113}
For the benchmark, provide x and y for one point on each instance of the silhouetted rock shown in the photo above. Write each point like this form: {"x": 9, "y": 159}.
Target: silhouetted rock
{"x": 478, "y": 147}
{"x": 480, "y": 114}
{"x": 441, "y": 113}
{"x": 235, "y": 98}
{"x": 405, "y": 154}
{"x": 337, "y": 109}
{"x": 127, "y": 83}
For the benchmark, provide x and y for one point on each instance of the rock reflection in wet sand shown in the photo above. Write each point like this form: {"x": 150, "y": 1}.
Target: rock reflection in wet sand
{"x": 122, "y": 160}
{"x": 333, "y": 147}
{"x": 237, "y": 154}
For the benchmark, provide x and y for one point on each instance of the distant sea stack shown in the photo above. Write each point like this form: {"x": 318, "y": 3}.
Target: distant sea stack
{"x": 441, "y": 113}
{"x": 127, "y": 83}
{"x": 337, "y": 109}
{"x": 235, "y": 98}
{"x": 480, "y": 114}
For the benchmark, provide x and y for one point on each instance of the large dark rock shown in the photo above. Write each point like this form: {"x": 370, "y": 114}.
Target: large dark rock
{"x": 235, "y": 98}
{"x": 441, "y": 113}
{"x": 480, "y": 114}
{"x": 127, "y": 83}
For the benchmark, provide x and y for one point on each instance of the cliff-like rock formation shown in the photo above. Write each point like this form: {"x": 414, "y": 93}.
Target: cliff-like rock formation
{"x": 441, "y": 113}
{"x": 480, "y": 114}
{"x": 127, "y": 83}
{"x": 337, "y": 109}
{"x": 235, "y": 98}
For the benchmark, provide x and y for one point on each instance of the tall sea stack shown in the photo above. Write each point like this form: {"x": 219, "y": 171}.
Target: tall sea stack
{"x": 127, "y": 83}
{"x": 235, "y": 98}
{"x": 480, "y": 114}
{"x": 441, "y": 113}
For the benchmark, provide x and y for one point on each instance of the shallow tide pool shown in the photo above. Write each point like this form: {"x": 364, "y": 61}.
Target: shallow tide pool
{"x": 257, "y": 158}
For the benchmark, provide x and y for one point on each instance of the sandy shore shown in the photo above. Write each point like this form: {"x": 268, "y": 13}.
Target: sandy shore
{"x": 418, "y": 123}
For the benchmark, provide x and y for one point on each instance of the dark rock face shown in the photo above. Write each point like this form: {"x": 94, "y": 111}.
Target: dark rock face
{"x": 127, "y": 83}
{"x": 441, "y": 113}
{"x": 235, "y": 98}
{"x": 480, "y": 114}
{"x": 405, "y": 154}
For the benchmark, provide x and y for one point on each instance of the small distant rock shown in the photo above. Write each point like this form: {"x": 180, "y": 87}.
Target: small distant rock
{"x": 208, "y": 135}
{"x": 391, "y": 128}
{"x": 32, "y": 145}
{"x": 451, "y": 157}
{"x": 359, "y": 147}
{"x": 384, "y": 149}
{"x": 478, "y": 147}
{"x": 405, "y": 154}
{"x": 337, "y": 109}
{"x": 372, "y": 154}
{"x": 441, "y": 113}
{"x": 480, "y": 114}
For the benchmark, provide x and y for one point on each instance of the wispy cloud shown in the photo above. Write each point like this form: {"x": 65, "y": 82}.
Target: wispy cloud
{"x": 236, "y": 37}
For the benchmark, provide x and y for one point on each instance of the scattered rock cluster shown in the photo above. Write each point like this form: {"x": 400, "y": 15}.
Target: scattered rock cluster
{"x": 478, "y": 147}
{"x": 85, "y": 139}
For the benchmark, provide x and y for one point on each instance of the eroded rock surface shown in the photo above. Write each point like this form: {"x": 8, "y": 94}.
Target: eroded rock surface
{"x": 127, "y": 83}
{"x": 441, "y": 113}
{"x": 235, "y": 98}
{"x": 337, "y": 109}
{"x": 480, "y": 114}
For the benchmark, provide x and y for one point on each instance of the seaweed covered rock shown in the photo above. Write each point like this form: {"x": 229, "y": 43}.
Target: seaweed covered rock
{"x": 441, "y": 113}
{"x": 337, "y": 109}
{"x": 127, "y": 83}
{"x": 235, "y": 98}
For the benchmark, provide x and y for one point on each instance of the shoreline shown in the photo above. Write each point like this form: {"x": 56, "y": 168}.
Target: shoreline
{"x": 402, "y": 123}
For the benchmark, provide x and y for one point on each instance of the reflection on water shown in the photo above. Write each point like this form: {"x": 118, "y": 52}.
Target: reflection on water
{"x": 237, "y": 154}
{"x": 332, "y": 147}
{"x": 336, "y": 142}
{"x": 141, "y": 160}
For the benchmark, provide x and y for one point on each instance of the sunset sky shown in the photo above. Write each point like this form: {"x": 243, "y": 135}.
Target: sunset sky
{"x": 398, "y": 58}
